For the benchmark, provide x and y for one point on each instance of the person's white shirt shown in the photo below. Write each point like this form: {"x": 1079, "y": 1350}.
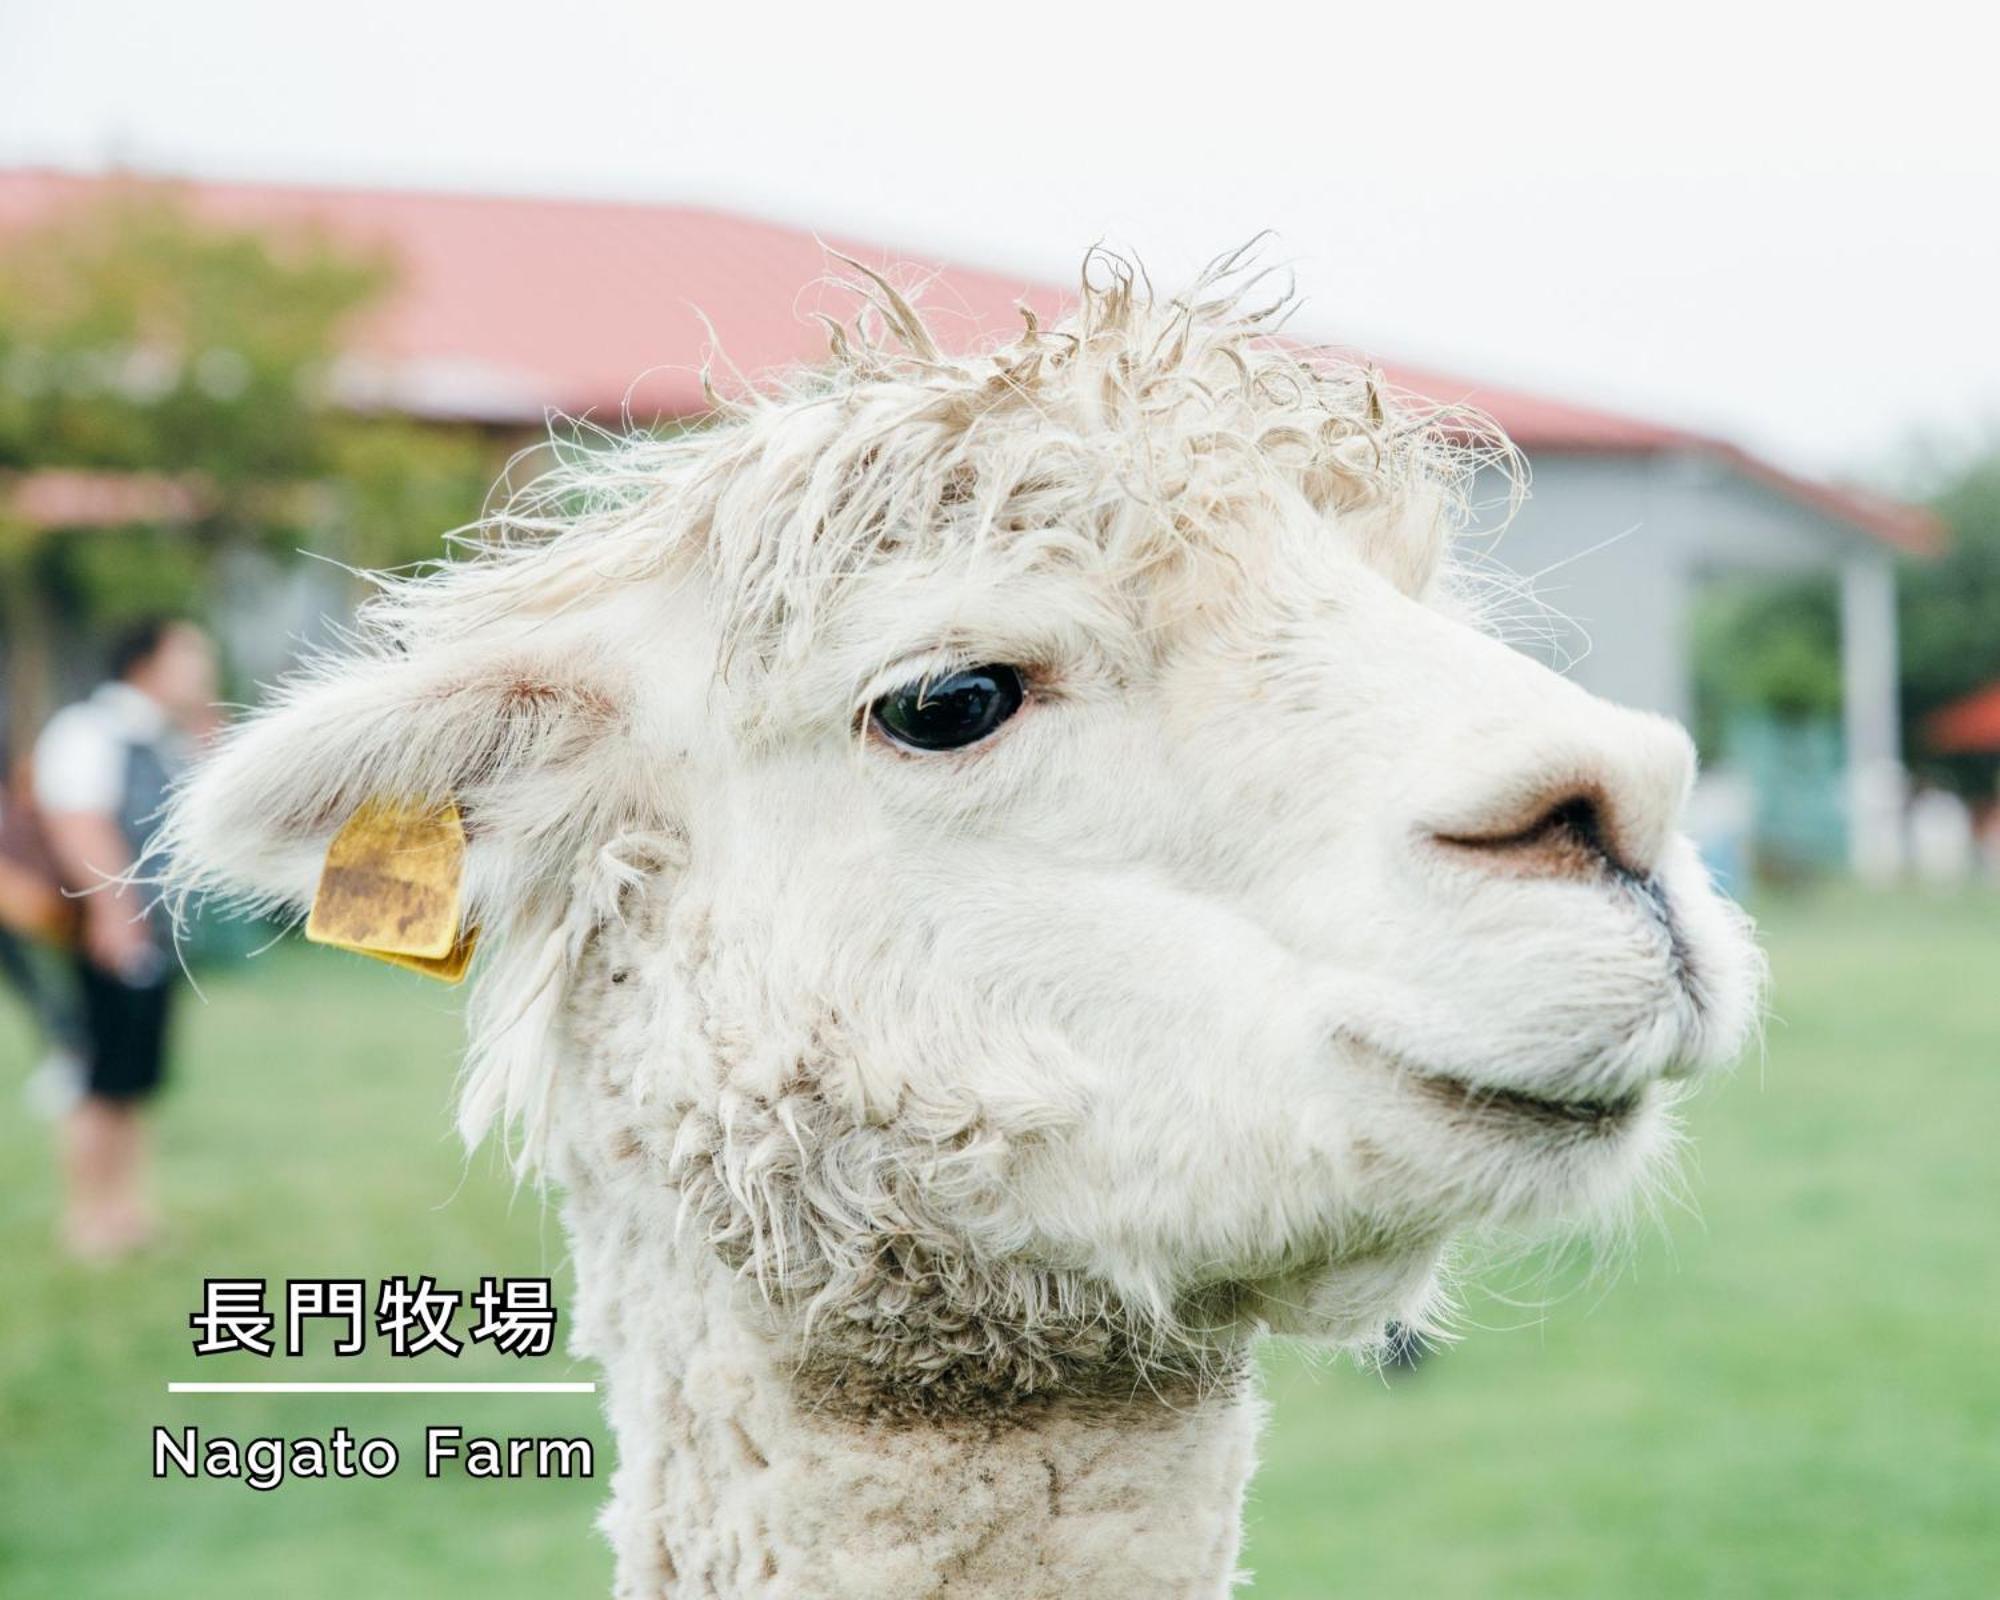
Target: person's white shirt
{"x": 80, "y": 757}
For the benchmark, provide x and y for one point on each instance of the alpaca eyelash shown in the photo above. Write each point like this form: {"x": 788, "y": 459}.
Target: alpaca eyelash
{"x": 1040, "y": 676}
{"x": 928, "y": 664}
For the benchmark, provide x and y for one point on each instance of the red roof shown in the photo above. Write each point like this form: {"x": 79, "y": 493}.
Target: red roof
{"x": 507, "y": 307}
{"x": 56, "y": 498}
{"x": 1966, "y": 727}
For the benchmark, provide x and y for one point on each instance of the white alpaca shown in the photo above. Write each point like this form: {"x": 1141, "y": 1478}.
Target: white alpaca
{"x": 1003, "y": 880}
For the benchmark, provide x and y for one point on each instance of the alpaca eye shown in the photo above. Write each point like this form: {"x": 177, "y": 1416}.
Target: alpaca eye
{"x": 950, "y": 713}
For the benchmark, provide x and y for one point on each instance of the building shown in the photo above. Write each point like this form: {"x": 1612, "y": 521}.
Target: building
{"x": 508, "y": 308}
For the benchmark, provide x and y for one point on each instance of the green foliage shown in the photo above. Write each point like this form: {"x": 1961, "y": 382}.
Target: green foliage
{"x": 401, "y": 487}
{"x": 1765, "y": 645}
{"x": 134, "y": 337}
{"x": 1951, "y": 619}
{"x": 118, "y": 574}
{"x": 137, "y": 338}
{"x": 1774, "y": 645}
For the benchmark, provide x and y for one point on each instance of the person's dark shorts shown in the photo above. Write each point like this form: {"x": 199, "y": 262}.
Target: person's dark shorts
{"x": 126, "y": 1026}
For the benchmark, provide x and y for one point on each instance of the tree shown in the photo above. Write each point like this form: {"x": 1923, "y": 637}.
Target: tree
{"x": 136, "y": 338}
{"x": 1766, "y": 645}
{"x": 1774, "y": 645}
{"x": 1950, "y": 614}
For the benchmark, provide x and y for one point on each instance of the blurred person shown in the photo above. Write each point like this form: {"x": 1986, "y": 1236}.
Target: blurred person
{"x": 36, "y": 922}
{"x": 101, "y": 772}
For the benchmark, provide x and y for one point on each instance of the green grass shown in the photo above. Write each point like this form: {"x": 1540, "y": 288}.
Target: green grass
{"x": 1794, "y": 1394}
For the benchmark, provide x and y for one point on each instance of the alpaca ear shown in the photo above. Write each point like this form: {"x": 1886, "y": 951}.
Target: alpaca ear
{"x": 525, "y": 745}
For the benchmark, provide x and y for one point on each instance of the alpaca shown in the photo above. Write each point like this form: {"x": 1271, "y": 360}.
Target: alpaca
{"x": 1003, "y": 880}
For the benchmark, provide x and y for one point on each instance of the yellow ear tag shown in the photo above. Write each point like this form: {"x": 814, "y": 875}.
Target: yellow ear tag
{"x": 390, "y": 889}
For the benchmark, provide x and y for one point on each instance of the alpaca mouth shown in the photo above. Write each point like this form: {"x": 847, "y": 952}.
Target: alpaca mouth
{"x": 1516, "y": 1110}
{"x": 1603, "y": 1115}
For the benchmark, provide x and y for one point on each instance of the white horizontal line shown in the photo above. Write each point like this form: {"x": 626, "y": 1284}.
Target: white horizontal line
{"x": 381, "y": 1388}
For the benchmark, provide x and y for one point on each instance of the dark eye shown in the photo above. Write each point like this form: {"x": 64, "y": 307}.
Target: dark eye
{"x": 950, "y": 713}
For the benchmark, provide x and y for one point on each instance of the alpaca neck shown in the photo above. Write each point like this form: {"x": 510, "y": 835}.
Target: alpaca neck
{"x": 736, "y": 1478}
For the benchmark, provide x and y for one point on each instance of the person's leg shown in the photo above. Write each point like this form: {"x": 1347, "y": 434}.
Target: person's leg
{"x": 104, "y": 1159}
{"x": 107, "y": 1208}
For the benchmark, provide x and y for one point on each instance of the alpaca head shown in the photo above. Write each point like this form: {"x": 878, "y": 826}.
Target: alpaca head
{"x": 1032, "y": 857}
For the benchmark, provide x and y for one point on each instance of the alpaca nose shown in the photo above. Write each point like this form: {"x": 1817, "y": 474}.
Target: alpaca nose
{"x": 1566, "y": 837}
{"x": 1579, "y": 814}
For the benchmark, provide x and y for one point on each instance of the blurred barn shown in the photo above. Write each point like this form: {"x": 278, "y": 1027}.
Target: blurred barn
{"x": 505, "y": 309}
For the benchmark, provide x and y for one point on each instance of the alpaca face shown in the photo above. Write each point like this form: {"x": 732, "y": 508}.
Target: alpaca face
{"x": 1262, "y": 942}
{"x": 1011, "y": 855}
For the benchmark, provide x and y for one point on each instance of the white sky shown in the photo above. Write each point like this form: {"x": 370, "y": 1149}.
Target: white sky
{"x": 1776, "y": 222}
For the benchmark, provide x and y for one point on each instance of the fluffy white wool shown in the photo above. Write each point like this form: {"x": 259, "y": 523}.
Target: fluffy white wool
{"x": 937, "y": 1129}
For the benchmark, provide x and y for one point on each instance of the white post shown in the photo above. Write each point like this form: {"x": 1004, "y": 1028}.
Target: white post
{"x": 1872, "y": 720}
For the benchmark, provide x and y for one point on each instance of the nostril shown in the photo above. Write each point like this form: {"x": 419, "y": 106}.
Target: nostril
{"x": 1576, "y": 820}
{"x": 1569, "y": 837}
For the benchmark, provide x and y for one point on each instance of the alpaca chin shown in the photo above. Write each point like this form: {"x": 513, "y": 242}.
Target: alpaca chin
{"x": 1353, "y": 1305}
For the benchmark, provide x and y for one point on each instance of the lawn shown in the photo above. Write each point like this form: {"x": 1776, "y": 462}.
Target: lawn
{"x": 1794, "y": 1392}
